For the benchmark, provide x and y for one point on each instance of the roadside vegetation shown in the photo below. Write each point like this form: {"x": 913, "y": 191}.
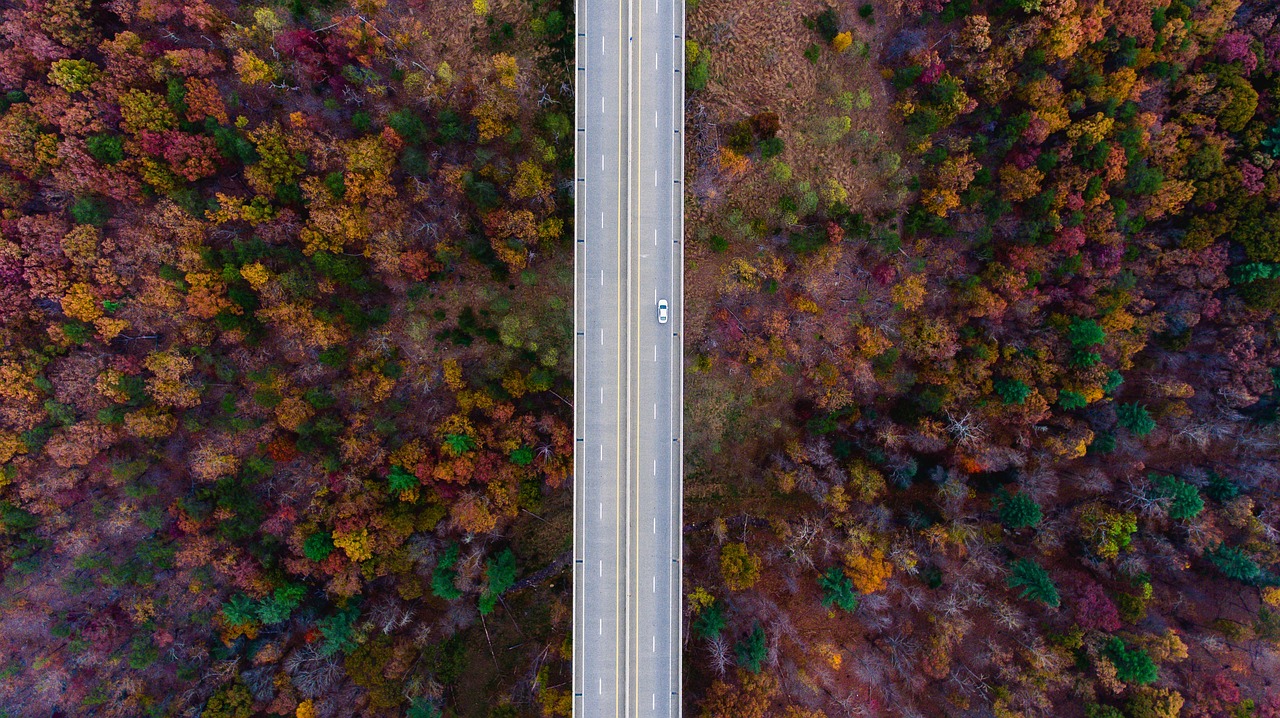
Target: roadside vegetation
{"x": 982, "y": 376}
{"x": 285, "y": 358}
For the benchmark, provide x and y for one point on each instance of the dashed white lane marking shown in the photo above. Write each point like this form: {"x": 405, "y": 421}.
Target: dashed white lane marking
{"x": 655, "y": 643}
{"x": 655, "y": 524}
{"x": 602, "y": 277}
{"x": 655, "y": 237}
{"x": 602, "y": 572}
{"x": 655, "y": 352}
{"x": 602, "y": 511}
{"x": 655, "y": 584}
{"x": 602, "y": 170}
{"x": 602, "y": 220}
{"x": 655, "y": 178}
{"x": 655, "y": 411}
{"x": 655, "y": 473}
{"x": 602, "y": 452}
{"x": 602, "y": 395}
{"x": 601, "y": 631}
{"x": 602, "y": 337}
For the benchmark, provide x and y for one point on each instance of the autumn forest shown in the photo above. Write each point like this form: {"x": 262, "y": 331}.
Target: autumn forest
{"x": 982, "y": 358}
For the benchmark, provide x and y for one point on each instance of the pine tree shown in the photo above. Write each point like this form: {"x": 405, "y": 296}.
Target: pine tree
{"x": 837, "y": 588}
{"x": 1017, "y": 511}
{"x": 1183, "y": 499}
{"x": 751, "y": 651}
{"x": 499, "y": 574}
{"x": 1034, "y": 582}
{"x": 1133, "y": 665}
{"x": 1236, "y": 564}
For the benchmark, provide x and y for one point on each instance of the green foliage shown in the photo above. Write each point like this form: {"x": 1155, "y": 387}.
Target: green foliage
{"x": 499, "y": 575}
{"x": 1017, "y": 511}
{"x": 827, "y": 23}
{"x": 1221, "y": 488}
{"x": 1133, "y": 665}
{"x": 837, "y": 589}
{"x": 1085, "y": 333}
{"x": 89, "y": 210}
{"x": 1011, "y": 391}
{"x": 522, "y": 456}
{"x": 1095, "y": 710}
{"x": 318, "y": 546}
{"x": 459, "y": 444}
{"x": 1182, "y": 499}
{"x": 277, "y": 607}
{"x": 1135, "y": 418}
{"x": 697, "y": 67}
{"x": 1034, "y": 581}
{"x": 339, "y": 631}
{"x": 752, "y": 650}
{"x": 711, "y": 622}
{"x": 107, "y": 149}
{"x": 1236, "y": 565}
{"x": 422, "y": 708}
{"x": 1071, "y": 400}
{"x": 444, "y": 575}
{"x": 399, "y": 480}
{"x": 239, "y": 610}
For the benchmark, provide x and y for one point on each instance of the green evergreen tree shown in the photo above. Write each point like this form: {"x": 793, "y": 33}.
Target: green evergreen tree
{"x": 837, "y": 589}
{"x": 318, "y": 546}
{"x": 1034, "y": 581}
{"x": 751, "y": 651}
{"x": 443, "y": 577}
{"x": 1085, "y": 333}
{"x": 1017, "y": 511}
{"x": 338, "y": 631}
{"x": 399, "y": 480}
{"x": 499, "y": 574}
{"x": 1011, "y": 391}
{"x": 1236, "y": 565}
{"x": 1133, "y": 665}
{"x": 711, "y": 622}
{"x": 1135, "y": 418}
{"x": 1183, "y": 499}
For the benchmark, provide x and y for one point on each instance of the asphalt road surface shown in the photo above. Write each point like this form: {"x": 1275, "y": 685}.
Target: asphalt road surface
{"x": 628, "y": 392}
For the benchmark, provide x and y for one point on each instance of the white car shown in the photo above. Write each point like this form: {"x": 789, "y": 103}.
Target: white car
{"x": 662, "y": 311}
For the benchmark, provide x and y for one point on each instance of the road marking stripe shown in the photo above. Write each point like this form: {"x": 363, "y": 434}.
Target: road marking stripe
{"x": 602, "y": 337}
{"x": 601, "y": 393}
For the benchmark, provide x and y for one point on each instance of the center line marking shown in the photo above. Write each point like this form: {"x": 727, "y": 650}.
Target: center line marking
{"x": 655, "y": 411}
{"x": 602, "y": 105}
{"x": 602, "y": 394}
{"x": 602, "y": 166}
{"x": 602, "y": 220}
{"x": 655, "y": 178}
{"x": 602, "y": 452}
{"x": 602, "y": 626}
{"x": 602, "y": 572}
{"x": 655, "y": 237}
{"x": 655, "y": 643}
{"x": 602, "y": 277}
{"x": 602, "y": 511}
{"x": 655, "y": 585}
{"x": 655, "y": 352}
{"x": 655, "y": 527}
{"x": 602, "y": 339}
{"x": 655, "y": 473}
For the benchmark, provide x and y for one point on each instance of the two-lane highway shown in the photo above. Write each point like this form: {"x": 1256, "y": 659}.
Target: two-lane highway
{"x": 628, "y": 366}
